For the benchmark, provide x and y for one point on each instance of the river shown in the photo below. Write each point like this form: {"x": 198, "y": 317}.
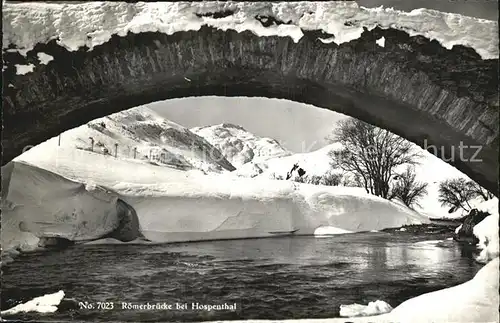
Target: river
{"x": 274, "y": 278}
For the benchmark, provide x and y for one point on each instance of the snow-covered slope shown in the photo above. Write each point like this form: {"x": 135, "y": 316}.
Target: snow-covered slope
{"x": 38, "y": 203}
{"x": 430, "y": 169}
{"x": 240, "y": 146}
{"x": 93, "y": 23}
{"x": 143, "y": 135}
{"x": 314, "y": 163}
{"x": 174, "y": 205}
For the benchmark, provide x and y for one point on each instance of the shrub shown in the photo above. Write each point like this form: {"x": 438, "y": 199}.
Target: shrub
{"x": 408, "y": 189}
{"x": 332, "y": 179}
{"x": 328, "y": 179}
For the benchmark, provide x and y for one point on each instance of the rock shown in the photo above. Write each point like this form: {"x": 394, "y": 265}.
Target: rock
{"x": 55, "y": 242}
{"x": 465, "y": 232}
{"x": 68, "y": 304}
{"x": 128, "y": 228}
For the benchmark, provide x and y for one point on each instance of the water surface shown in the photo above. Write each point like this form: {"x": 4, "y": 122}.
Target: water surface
{"x": 275, "y": 278}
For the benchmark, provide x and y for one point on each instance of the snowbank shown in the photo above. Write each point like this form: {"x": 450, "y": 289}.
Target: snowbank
{"x": 235, "y": 208}
{"x": 38, "y": 203}
{"x": 487, "y": 232}
{"x": 173, "y": 205}
{"x": 93, "y": 23}
{"x": 329, "y": 230}
{"x": 42, "y": 304}
{"x": 373, "y": 308}
{"x": 473, "y": 301}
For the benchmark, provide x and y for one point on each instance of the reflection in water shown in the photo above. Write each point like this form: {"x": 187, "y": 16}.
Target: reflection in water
{"x": 276, "y": 278}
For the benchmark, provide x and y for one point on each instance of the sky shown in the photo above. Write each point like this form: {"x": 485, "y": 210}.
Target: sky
{"x": 299, "y": 127}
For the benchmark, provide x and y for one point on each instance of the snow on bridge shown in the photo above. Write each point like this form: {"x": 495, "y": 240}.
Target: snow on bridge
{"x": 93, "y": 23}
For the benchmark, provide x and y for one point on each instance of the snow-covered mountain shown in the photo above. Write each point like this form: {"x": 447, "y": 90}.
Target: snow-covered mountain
{"x": 143, "y": 135}
{"x": 240, "y": 146}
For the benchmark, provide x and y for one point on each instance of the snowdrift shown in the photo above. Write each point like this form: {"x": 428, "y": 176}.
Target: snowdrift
{"x": 173, "y": 205}
{"x": 487, "y": 232}
{"x": 37, "y": 203}
{"x": 42, "y": 304}
{"x": 473, "y": 301}
{"x": 243, "y": 209}
{"x": 49, "y": 303}
{"x": 91, "y": 24}
{"x": 329, "y": 230}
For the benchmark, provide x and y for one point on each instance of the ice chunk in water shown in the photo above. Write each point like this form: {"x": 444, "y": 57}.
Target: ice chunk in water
{"x": 373, "y": 308}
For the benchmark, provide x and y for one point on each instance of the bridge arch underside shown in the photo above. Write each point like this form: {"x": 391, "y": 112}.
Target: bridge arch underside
{"x": 411, "y": 86}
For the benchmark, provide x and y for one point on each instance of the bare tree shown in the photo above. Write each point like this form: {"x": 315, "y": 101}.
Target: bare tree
{"x": 371, "y": 154}
{"x": 480, "y": 191}
{"x": 408, "y": 189}
{"x": 457, "y": 192}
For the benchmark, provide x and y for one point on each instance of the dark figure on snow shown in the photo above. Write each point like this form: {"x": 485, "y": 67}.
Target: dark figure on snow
{"x": 300, "y": 171}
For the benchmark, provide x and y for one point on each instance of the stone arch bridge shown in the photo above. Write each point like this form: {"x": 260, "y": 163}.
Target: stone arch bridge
{"x": 391, "y": 74}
